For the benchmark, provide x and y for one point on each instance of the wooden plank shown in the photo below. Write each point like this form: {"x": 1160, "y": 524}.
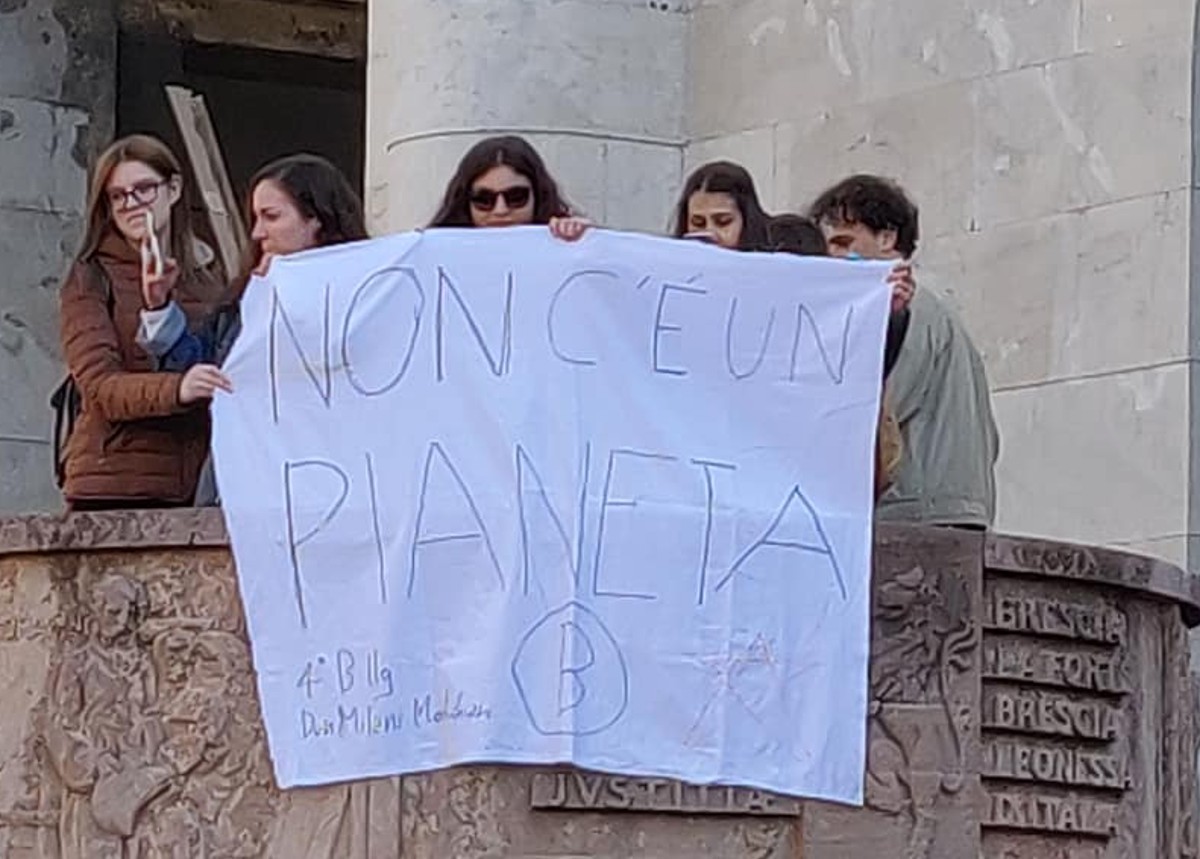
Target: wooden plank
{"x": 212, "y": 178}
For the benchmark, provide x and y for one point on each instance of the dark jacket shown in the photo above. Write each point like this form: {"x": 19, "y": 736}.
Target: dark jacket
{"x": 133, "y": 440}
{"x": 177, "y": 346}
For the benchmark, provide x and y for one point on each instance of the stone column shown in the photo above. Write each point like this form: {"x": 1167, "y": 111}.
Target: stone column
{"x": 57, "y": 96}
{"x": 596, "y": 85}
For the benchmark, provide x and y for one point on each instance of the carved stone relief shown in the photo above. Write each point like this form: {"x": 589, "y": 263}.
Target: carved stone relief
{"x": 1073, "y": 705}
{"x": 1013, "y": 714}
{"x": 147, "y": 741}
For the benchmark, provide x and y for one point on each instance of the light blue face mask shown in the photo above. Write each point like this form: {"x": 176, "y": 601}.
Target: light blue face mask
{"x": 854, "y": 256}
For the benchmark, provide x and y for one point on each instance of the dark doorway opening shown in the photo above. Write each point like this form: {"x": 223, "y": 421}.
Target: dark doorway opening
{"x": 264, "y": 104}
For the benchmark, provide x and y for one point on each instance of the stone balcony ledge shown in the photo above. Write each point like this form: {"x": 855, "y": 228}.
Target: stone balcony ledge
{"x": 1028, "y": 698}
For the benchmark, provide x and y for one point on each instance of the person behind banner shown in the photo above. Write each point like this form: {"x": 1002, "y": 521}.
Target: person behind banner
{"x": 939, "y": 386}
{"x": 796, "y": 234}
{"x": 296, "y": 203}
{"x": 142, "y": 431}
{"x": 719, "y": 205}
{"x": 503, "y": 182}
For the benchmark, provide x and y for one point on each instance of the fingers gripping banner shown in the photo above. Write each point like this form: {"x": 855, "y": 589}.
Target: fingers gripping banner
{"x": 497, "y": 497}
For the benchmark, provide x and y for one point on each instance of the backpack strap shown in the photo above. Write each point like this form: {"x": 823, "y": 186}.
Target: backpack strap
{"x": 67, "y": 400}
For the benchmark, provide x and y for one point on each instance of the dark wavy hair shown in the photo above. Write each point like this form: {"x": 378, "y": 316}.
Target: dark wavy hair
{"x": 514, "y": 152}
{"x": 725, "y": 177}
{"x": 796, "y": 234}
{"x": 320, "y": 190}
{"x": 875, "y": 202}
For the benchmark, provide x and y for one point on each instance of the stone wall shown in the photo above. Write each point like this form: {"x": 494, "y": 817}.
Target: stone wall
{"x": 1026, "y": 699}
{"x": 1049, "y": 146}
{"x": 57, "y": 91}
{"x": 596, "y": 85}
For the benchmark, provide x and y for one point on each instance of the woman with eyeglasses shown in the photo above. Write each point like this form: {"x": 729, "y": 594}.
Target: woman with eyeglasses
{"x": 141, "y": 435}
{"x": 503, "y": 182}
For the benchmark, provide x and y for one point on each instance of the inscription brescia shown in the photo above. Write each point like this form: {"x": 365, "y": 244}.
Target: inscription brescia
{"x": 1014, "y": 612}
{"x": 1041, "y": 711}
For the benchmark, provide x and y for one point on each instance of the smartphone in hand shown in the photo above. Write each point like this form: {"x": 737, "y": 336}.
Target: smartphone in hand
{"x": 152, "y": 240}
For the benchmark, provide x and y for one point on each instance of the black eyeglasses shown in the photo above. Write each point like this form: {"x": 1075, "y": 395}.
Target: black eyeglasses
{"x": 515, "y": 197}
{"x": 141, "y": 193}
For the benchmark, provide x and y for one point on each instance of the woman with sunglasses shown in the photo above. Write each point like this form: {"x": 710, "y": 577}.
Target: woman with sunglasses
{"x": 503, "y": 182}
{"x": 141, "y": 435}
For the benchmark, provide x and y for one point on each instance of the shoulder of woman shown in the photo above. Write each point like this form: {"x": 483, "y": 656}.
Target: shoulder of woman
{"x": 84, "y": 276}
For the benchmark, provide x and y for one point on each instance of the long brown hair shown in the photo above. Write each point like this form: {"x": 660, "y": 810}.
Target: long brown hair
{"x": 514, "y": 152}
{"x": 158, "y": 157}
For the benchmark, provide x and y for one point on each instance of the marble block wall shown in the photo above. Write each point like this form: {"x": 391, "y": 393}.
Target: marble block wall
{"x": 1049, "y": 147}
{"x": 57, "y": 91}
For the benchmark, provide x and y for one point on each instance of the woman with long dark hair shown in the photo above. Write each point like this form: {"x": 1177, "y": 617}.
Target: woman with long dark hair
{"x": 503, "y": 182}
{"x": 141, "y": 435}
{"x": 719, "y": 204}
{"x": 295, "y": 204}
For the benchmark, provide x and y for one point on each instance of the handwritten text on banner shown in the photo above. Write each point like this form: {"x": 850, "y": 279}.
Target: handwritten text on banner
{"x": 497, "y": 497}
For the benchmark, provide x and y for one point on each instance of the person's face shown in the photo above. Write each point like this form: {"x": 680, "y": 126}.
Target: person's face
{"x": 134, "y": 189}
{"x": 280, "y": 227}
{"x": 716, "y": 214}
{"x": 501, "y": 197}
{"x": 113, "y": 615}
{"x": 856, "y": 239}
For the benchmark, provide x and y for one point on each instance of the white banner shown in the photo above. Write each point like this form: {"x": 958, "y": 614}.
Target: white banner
{"x": 497, "y": 497}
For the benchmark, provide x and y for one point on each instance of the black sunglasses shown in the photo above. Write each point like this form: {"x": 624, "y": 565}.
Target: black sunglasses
{"x": 515, "y": 197}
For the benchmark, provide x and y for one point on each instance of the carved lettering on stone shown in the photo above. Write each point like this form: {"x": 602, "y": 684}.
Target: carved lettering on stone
{"x": 1029, "y": 661}
{"x": 1085, "y": 620}
{"x": 1042, "y": 711}
{"x": 1021, "y": 760}
{"x": 1040, "y": 812}
{"x": 571, "y": 789}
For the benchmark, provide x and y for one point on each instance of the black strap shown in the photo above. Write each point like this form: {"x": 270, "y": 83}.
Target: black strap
{"x": 897, "y": 329}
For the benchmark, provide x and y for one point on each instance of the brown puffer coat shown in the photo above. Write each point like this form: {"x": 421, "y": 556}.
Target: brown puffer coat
{"x": 133, "y": 440}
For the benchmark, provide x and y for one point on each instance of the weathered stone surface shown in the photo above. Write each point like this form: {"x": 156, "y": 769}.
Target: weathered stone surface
{"x": 754, "y": 150}
{"x": 620, "y": 183}
{"x": 1022, "y": 129}
{"x": 27, "y": 469}
{"x": 1116, "y": 23}
{"x": 37, "y": 166}
{"x": 596, "y": 86}
{"x": 33, "y": 51}
{"x": 1073, "y": 133}
{"x": 578, "y": 64}
{"x": 1133, "y": 438}
{"x": 1074, "y": 758}
{"x": 57, "y": 91}
{"x": 30, "y": 363}
{"x": 133, "y": 728}
{"x": 1117, "y": 270}
{"x": 923, "y": 138}
{"x": 922, "y": 780}
{"x": 326, "y": 30}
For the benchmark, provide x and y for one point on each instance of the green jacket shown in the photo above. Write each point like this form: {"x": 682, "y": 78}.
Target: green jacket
{"x": 938, "y": 391}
